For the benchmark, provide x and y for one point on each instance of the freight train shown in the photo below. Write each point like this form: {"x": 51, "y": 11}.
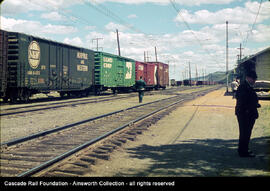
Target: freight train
{"x": 192, "y": 83}
{"x": 31, "y": 65}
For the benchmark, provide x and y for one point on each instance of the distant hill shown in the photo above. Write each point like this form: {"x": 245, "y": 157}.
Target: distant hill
{"x": 217, "y": 77}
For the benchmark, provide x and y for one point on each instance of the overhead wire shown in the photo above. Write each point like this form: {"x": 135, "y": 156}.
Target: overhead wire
{"x": 107, "y": 12}
{"x": 67, "y": 14}
{"x": 195, "y": 36}
{"x": 252, "y": 28}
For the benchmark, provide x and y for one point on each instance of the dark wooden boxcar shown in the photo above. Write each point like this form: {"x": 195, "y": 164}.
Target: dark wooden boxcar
{"x": 3, "y": 62}
{"x": 140, "y": 70}
{"x": 179, "y": 83}
{"x": 40, "y": 65}
{"x": 199, "y": 83}
{"x": 173, "y": 82}
{"x": 162, "y": 74}
{"x": 147, "y": 71}
{"x": 186, "y": 82}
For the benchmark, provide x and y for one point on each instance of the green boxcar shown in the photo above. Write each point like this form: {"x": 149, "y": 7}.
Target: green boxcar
{"x": 39, "y": 65}
{"x": 114, "y": 72}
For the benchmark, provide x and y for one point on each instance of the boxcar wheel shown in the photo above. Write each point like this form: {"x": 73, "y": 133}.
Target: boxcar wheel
{"x": 26, "y": 96}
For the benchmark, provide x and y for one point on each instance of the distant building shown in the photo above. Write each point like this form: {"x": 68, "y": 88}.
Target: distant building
{"x": 260, "y": 62}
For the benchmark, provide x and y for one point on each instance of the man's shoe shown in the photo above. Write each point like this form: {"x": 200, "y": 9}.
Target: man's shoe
{"x": 249, "y": 154}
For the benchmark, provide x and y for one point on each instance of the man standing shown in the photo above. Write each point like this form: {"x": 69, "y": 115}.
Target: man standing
{"x": 234, "y": 86}
{"x": 246, "y": 112}
{"x": 140, "y": 84}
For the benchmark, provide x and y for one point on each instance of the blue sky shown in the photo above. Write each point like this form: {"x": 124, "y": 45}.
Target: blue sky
{"x": 183, "y": 31}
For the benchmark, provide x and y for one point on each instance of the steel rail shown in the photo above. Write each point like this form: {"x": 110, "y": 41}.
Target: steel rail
{"x": 68, "y": 153}
{"x": 64, "y": 104}
{"x": 36, "y": 135}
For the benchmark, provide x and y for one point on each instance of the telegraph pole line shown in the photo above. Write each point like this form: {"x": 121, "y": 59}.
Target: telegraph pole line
{"x": 196, "y": 74}
{"x": 144, "y": 56}
{"x": 202, "y": 74}
{"x": 240, "y": 58}
{"x": 227, "y": 75}
{"x": 156, "y": 53}
{"x": 147, "y": 57}
{"x": 189, "y": 74}
{"x": 118, "y": 43}
{"x": 97, "y": 39}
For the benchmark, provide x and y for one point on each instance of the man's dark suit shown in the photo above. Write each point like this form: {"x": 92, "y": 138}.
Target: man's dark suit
{"x": 246, "y": 112}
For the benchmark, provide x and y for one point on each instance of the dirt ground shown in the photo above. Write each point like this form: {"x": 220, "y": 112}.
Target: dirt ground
{"x": 199, "y": 138}
{"x": 12, "y": 127}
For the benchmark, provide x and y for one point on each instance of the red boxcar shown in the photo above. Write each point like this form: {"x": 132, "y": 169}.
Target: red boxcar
{"x": 162, "y": 74}
{"x": 140, "y": 70}
{"x": 147, "y": 71}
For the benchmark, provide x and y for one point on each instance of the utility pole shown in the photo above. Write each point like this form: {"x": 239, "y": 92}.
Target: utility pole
{"x": 240, "y": 51}
{"x": 227, "y": 56}
{"x": 97, "y": 39}
{"x": 205, "y": 74}
{"x": 156, "y": 53}
{"x": 147, "y": 57}
{"x": 144, "y": 56}
{"x": 189, "y": 74}
{"x": 184, "y": 74}
{"x": 119, "y": 53}
{"x": 202, "y": 75}
{"x": 196, "y": 74}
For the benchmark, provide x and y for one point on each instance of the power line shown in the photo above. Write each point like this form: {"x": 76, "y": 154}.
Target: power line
{"x": 97, "y": 39}
{"x": 188, "y": 26}
{"x": 252, "y": 28}
{"x": 107, "y": 12}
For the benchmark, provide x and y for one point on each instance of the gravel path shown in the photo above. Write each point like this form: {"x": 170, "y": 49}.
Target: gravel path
{"x": 198, "y": 139}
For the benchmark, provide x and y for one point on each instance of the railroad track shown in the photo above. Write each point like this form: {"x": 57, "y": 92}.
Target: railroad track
{"x": 61, "y": 104}
{"x": 29, "y": 155}
{"x": 47, "y": 106}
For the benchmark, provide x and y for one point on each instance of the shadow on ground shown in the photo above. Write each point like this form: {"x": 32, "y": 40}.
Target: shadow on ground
{"x": 228, "y": 93}
{"x": 210, "y": 157}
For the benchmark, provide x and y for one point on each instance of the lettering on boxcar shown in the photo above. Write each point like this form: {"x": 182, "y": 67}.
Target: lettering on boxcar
{"x": 82, "y": 68}
{"x": 33, "y": 81}
{"x": 140, "y": 67}
{"x": 41, "y": 81}
{"x": 82, "y": 55}
{"x": 65, "y": 70}
{"x": 33, "y": 72}
{"x": 107, "y": 65}
{"x": 23, "y": 39}
{"x": 107, "y": 59}
{"x": 34, "y": 54}
{"x": 129, "y": 70}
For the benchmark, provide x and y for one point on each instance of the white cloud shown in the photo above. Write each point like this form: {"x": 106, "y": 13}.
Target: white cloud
{"x": 261, "y": 34}
{"x": 90, "y": 27}
{"x": 113, "y": 26}
{"x": 244, "y": 15}
{"x": 74, "y": 41}
{"x": 54, "y": 16}
{"x": 132, "y": 16}
{"x": 166, "y": 2}
{"x": 35, "y": 27}
{"x": 11, "y": 7}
